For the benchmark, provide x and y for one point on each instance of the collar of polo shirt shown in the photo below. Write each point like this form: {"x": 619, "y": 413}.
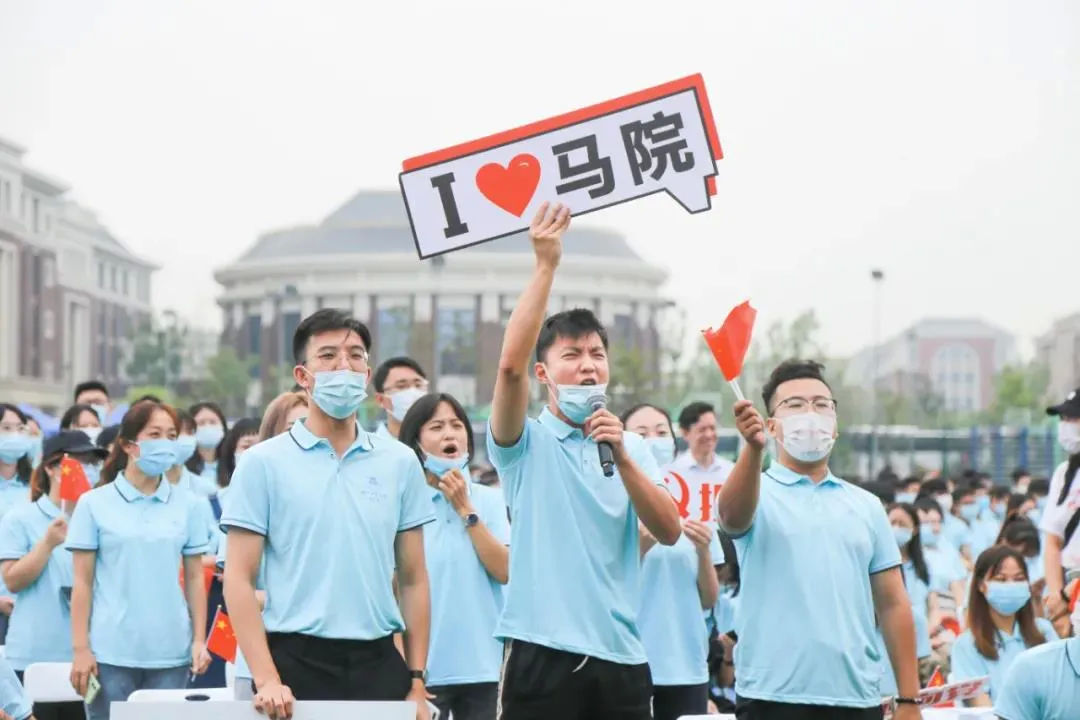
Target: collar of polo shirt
{"x": 787, "y": 476}
{"x": 1072, "y": 653}
{"x": 307, "y": 440}
{"x": 47, "y": 506}
{"x": 559, "y": 428}
{"x": 130, "y": 493}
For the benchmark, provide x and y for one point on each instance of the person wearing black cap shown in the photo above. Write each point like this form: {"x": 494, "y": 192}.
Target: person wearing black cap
{"x": 37, "y": 568}
{"x": 108, "y": 437}
{"x": 1061, "y": 551}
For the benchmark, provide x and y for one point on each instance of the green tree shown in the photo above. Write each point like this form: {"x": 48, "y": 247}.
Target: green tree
{"x": 1019, "y": 394}
{"x": 632, "y": 382}
{"x": 158, "y": 391}
{"x": 229, "y": 377}
{"x": 155, "y": 357}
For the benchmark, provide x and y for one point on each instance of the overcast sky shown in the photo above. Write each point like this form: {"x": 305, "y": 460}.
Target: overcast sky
{"x": 936, "y": 140}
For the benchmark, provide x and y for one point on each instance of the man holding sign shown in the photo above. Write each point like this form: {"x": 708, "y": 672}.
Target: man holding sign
{"x": 573, "y": 651}
{"x": 818, "y": 564}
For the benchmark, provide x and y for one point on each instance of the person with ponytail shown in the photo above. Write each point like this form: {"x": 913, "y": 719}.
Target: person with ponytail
{"x": 132, "y": 624}
{"x": 37, "y": 569}
{"x": 467, "y": 555}
{"x": 1001, "y": 621}
{"x": 1061, "y": 551}
{"x": 904, "y": 519}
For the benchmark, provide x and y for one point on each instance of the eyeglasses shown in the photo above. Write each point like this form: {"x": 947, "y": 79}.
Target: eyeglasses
{"x": 356, "y": 358}
{"x": 417, "y": 384}
{"x": 821, "y": 405}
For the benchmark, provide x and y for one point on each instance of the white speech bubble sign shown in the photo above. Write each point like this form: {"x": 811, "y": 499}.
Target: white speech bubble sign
{"x": 657, "y": 140}
{"x": 243, "y": 710}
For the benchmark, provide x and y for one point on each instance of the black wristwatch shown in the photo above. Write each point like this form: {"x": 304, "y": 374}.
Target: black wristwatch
{"x": 905, "y": 701}
{"x": 418, "y": 675}
{"x": 471, "y": 520}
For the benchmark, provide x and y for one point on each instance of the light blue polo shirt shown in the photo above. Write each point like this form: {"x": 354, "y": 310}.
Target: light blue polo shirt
{"x": 465, "y": 600}
{"x": 984, "y": 532}
{"x": 575, "y": 560}
{"x": 138, "y": 616}
{"x": 955, "y": 530}
{"x": 13, "y": 492}
{"x": 722, "y": 615}
{"x": 946, "y": 566}
{"x": 40, "y": 629}
{"x": 13, "y": 699}
{"x": 806, "y": 622}
{"x": 968, "y": 664}
{"x": 917, "y": 590}
{"x": 669, "y": 616}
{"x": 330, "y": 524}
{"x": 1043, "y": 683}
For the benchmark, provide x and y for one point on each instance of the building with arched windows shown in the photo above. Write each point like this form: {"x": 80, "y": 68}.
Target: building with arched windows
{"x": 956, "y": 358}
{"x": 447, "y": 312}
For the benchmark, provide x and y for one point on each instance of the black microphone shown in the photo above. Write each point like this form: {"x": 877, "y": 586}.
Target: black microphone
{"x": 607, "y": 455}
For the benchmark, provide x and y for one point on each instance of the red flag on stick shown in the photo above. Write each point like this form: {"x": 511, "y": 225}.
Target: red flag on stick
{"x": 73, "y": 482}
{"x": 222, "y": 640}
{"x": 730, "y": 343}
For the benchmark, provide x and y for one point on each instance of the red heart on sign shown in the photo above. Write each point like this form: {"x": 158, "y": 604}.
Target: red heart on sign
{"x": 510, "y": 187}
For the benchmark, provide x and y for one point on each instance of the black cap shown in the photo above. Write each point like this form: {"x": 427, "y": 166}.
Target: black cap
{"x": 1070, "y": 407}
{"x": 107, "y": 436}
{"x": 71, "y": 442}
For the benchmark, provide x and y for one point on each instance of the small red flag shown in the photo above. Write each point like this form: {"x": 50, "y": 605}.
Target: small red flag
{"x": 208, "y": 577}
{"x": 730, "y": 343}
{"x": 73, "y": 482}
{"x": 222, "y": 640}
{"x": 936, "y": 680}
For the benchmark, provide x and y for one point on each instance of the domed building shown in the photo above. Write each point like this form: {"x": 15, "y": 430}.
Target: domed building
{"x": 447, "y": 312}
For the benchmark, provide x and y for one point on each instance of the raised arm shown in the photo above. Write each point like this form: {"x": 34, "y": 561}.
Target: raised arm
{"x": 511, "y": 398}
{"x": 739, "y": 496}
{"x": 24, "y": 572}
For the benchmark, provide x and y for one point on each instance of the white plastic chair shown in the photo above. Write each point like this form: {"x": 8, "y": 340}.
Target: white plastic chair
{"x": 49, "y": 682}
{"x": 192, "y": 694}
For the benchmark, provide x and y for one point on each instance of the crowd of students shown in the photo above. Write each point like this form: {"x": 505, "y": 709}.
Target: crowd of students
{"x": 554, "y": 582}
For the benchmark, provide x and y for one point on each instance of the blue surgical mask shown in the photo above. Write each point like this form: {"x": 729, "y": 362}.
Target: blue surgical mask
{"x": 402, "y": 400}
{"x": 93, "y": 473}
{"x": 928, "y": 536}
{"x": 969, "y": 512}
{"x": 1008, "y": 597}
{"x": 663, "y": 449}
{"x": 902, "y": 535}
{"x": 184, "y": 447}
{"x": 438, "y": 465}
{"x": 155, "y": 456}
{"x": 982, "y": 502}
{"x": 13, "y": 445}
{"x": 1034, "y": 515}
{"x": 905, "y": 497}
{"x": 209, "y": 436}
{"x": 573, "y": 400}
{"x": 339, "y": 393}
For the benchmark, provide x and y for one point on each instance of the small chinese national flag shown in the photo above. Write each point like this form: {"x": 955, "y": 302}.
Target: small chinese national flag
{"x": 73, "y": 482}
{"x": 936, "y": 680}
{"x": 222, "y": 640}
{"x": 730, "y": 343}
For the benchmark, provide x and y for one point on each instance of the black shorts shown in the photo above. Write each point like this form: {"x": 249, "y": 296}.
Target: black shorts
{"x": 539, "y": 683}
{"x": 750, "y": 709}
{"x": 671, "y": 702}
{"x": 471, "y": 701}
{"x": 320, "y": 669}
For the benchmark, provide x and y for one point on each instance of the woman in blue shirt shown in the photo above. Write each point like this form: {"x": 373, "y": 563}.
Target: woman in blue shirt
{"x": 1001, "y": 621}
{"x": 678, "y": 583}
{"x": 210, "y": 429}
{"x": 132, "y": 626}
{"x": 906, "y": 528}
{"x": 15, "y": 467}
{"x": 467, "y": 560}
{"x": 37, "y": 568}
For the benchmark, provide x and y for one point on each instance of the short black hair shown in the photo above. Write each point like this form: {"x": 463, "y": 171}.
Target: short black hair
{"x": 1019, "y": 473}
{"x": 322, "y": 321}
{"x": 1039, "y": 486}
{"x": 71, "y": 415}
{"x": 1000, "y": 493}
{"x": 693, "y": 412}
{"x": 89, "y": 385}
{"x": 792, "y": 369}
{"x": 422, "y": 411}
{"x": 573, "y": 324}
{"x": 962, "y": 491}
{"x": 148, "y": 397}
{"x": 928, "y": 504}
{"x": 381, "y": 373}
{"x": 937, "y": 486}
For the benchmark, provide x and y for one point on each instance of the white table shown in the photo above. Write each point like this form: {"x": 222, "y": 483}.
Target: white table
{"x": 182, "y": 710}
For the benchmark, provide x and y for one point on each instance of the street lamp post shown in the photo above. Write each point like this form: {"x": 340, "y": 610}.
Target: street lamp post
{"x": 878, "y": 277}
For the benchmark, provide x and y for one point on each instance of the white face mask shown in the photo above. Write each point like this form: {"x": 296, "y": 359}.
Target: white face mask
{"x": 402, "y": 400}
{"x": 945, "y": 501}
{"x": 92, "y": 433}
{"x": 809, "y": 436}
{"x": 1069, "y": 437}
